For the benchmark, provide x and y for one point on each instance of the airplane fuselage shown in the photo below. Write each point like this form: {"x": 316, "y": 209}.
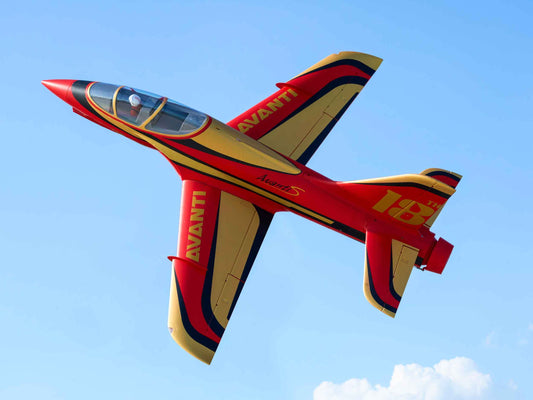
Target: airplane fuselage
{"x": 236, "y": 176}
{"x": 271, "y": 180}
{"x": 230, "y": 160}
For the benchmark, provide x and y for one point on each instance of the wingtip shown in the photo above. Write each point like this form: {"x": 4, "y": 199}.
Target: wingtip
{"x": 448, "y": 177}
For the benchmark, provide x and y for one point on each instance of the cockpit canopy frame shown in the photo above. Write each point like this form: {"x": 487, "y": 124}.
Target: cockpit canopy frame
{"x": 145, "y": 110}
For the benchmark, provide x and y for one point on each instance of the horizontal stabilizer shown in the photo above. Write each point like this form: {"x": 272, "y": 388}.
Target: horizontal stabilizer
{"x": 388, "y": 265}
{"x": 411, "y": 200}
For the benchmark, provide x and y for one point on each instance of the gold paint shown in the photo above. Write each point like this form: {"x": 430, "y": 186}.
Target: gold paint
{"x": 386, "y": 201}
{"x": 403, "y": 258}
{"x": 367, "y": 59}
{"x": 275, "y": 104}
{"x": 262, "y": 114}
{"x": 238, "y": 223}
{"x": 195, "y": 165}
{"x": 222, "y": 139}
{"x": 407, "y": 212}
{"x": 412, "y": 178}
{"x": 206, "y": 169}
{"x": 294, "y": 136}
{"x": 177, "y": 330}
{"x": 368, "y": 292}
{"x": 151, "y": 117}
{"x": 115, "y": 100}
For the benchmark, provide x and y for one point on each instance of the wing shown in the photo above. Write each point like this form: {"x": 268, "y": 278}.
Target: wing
{"x": 297, "y": 118}
{"x": 388, "y": 266}
{"x": 219, "y": 237}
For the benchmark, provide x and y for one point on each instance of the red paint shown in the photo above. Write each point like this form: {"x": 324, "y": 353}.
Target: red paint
{"x": 381, "y": 211}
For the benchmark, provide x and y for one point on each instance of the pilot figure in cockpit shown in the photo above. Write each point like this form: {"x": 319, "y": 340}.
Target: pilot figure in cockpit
{"x": 135, "y": 102}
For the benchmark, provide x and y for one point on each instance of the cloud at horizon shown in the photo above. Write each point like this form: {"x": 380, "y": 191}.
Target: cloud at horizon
{"x": 453, "y": 379}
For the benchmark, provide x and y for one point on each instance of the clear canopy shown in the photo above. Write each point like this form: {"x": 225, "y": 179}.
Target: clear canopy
{"x": 146, "y": 110}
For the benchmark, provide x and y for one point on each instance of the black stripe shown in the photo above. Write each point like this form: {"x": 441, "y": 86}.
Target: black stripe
{"x": 313, "y": 147}
{"x": 208, "y": 285}
{"x": 391, "y": 279}
{"x": 78, "y": 91}
{"x": 233, "y": 176}
{"x": 338, "y": 226}
{"x": 348, "y": 230}
{"x": 264, "y": 221}
{"x": 80, "y": 96}
{"x": 358, "y": 80}
{"x": 446, "y": 174}
{"x": 354, "y": 63}
{"x": 197, "y": 146}
{"x": 375, "y": 295}
{"x": 191, "y": 331}
{"x": 265, "y": 218}
{"x": 304, "y": 158}
{"x": 408, "y": 184}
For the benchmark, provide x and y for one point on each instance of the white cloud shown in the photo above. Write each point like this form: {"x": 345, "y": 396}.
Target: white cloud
{"x": 453, "y": 379}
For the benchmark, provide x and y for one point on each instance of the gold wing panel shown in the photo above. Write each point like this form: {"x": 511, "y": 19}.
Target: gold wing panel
{"x": 330, "y": 86}
{"x": 220, "y": 235}
{"x": 388, "y": 266}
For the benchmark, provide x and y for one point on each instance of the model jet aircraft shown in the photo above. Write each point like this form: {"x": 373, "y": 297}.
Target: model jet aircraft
{"x": 236, "y": 176}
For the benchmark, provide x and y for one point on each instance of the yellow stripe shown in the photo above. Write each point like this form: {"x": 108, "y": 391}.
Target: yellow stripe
{"x": 165, "y": 99}
{"x": 189, "y": 162}
{"x": 195, "y": 165}
{"x": 115, "y": 100}
{"x": 412, "y": 178}
{"x": 177, "y": 330}
{"x": 367, "y": 59}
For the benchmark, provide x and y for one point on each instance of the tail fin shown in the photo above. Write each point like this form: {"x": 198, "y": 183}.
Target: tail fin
{"x": 412, "y": 200}
{"x": 388, "y": 266}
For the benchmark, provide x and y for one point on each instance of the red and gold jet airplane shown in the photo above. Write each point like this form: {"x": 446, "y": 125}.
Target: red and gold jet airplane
{"x": 236, "y": 176}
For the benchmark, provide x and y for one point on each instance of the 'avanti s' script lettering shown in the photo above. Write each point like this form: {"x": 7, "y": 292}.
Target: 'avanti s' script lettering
{"x": 289, "y": 189}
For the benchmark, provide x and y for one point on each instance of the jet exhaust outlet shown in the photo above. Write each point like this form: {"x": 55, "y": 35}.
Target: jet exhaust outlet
{"x": 439, "y": 256}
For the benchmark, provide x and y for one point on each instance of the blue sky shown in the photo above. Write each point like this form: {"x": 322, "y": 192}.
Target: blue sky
{"x": 87, "y": 217}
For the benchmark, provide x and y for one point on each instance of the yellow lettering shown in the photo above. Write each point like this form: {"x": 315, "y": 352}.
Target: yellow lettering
{"x": 254, "y": 120}
{"x": 243, "y": 127}
{"x": 263, "y": 113}
{"x": 386, "y": 201}
{"x": 275, "y": 104}
{"x": 194, "y": 254}
{"x": 196, "y": 201}
{"x": 295, "y": 191}
{"x": 411, "y": 212}
{"x": 197, "y": 214}
{"x": 434, "y": 205}
{"x": 195, "y": 241}
{"x": 294, "y": 94}
{"x": 196, "y": 229}
{"x": 284, "y": 97}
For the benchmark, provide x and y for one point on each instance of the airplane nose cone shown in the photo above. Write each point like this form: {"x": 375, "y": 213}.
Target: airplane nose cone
{"x": 59, "y": 87}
